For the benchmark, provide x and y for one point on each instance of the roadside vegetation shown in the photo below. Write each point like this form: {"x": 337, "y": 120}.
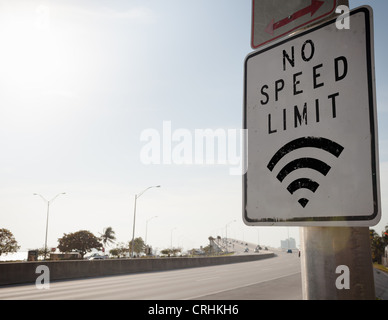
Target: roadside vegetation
{"x": 84, "y": 242}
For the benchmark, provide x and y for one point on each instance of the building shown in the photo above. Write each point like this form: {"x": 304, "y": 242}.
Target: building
{"x": 65, "y": 256}
{"x": 289, "y": 243}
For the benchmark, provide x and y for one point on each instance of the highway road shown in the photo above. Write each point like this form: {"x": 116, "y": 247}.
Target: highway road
{"x": 239, "y": 246}
{"x": 275, "y": 278}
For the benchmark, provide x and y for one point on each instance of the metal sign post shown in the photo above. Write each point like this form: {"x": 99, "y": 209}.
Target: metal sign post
{"x": 336, "y": 264}
{"x": 310, "y": 108}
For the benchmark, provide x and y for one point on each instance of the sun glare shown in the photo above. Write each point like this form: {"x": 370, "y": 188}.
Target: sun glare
{"x": 29, "y": 57}
{"x": 37, "y": 63}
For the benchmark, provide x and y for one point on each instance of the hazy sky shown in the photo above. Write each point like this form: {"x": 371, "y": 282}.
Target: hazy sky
{"x": 81, "y": 81}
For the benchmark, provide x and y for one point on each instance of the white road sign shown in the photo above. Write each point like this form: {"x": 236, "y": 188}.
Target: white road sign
{"x": 272, "y": 19}
{"x": 310, "y": 111}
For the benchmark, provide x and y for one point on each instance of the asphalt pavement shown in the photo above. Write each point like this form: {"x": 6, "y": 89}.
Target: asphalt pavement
{"x": 277, "y": 278}
{"x": 273, "y": 278}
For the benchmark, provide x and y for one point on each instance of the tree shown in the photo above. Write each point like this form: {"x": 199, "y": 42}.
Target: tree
{"x": 108, "y": 236}
{"x": 171, "y": 251}
{"x": 175, "y": 251}
{"x": 166, "y": 252}
{"x": 121, "y": 250}
{"x": 8, "y": 242}
{"x": 378, "y": 245}
{"x": 81, "y": 241}
{"x": 139, "y": 245}
{"x": 42, "y": 252}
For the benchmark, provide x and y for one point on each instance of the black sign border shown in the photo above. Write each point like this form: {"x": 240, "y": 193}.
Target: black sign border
{"x": 371, "y": 92}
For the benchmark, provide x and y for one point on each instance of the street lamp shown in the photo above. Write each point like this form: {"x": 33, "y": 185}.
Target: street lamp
{"x": 226, "y": 233}
{"x": 134, "y": 216}
{"x": 48, "y": 210}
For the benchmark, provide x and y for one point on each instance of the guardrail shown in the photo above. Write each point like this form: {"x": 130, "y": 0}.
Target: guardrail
{"x": 25, "y": 272}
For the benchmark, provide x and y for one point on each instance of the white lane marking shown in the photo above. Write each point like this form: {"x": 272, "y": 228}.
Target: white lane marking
{"x": 242, "y": 286}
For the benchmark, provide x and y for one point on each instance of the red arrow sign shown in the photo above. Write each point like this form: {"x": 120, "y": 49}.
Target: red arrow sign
{"x": 315, "y": 5}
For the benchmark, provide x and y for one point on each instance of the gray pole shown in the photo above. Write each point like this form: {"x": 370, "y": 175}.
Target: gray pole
{"x": 45, "y": 240}
{"x": 226, "y": 234}
{"x": 133, "y": 230}
{"x": 323, "y": 250}
{"x": 47, "y": 218}
{"x": 134, "y": 217}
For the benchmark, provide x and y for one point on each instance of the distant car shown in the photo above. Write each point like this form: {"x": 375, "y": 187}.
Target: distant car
{"x": 97, "y": 257}
{"x": 289, "y": 251}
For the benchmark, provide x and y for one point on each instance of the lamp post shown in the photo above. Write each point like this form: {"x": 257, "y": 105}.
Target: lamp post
{"x": 226, "y": 233}
{"x": 134, "y": 216}
{"x": 47, "y": 218}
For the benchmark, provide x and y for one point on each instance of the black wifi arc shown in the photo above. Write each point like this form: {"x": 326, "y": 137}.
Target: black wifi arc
{"x": 306, "y": 142}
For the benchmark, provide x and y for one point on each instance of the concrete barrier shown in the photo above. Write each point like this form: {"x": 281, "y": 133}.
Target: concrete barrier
{"x": 25, "y": 272}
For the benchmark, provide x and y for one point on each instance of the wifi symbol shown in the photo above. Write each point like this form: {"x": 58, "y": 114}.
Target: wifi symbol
{"x": 306, "y": 142}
